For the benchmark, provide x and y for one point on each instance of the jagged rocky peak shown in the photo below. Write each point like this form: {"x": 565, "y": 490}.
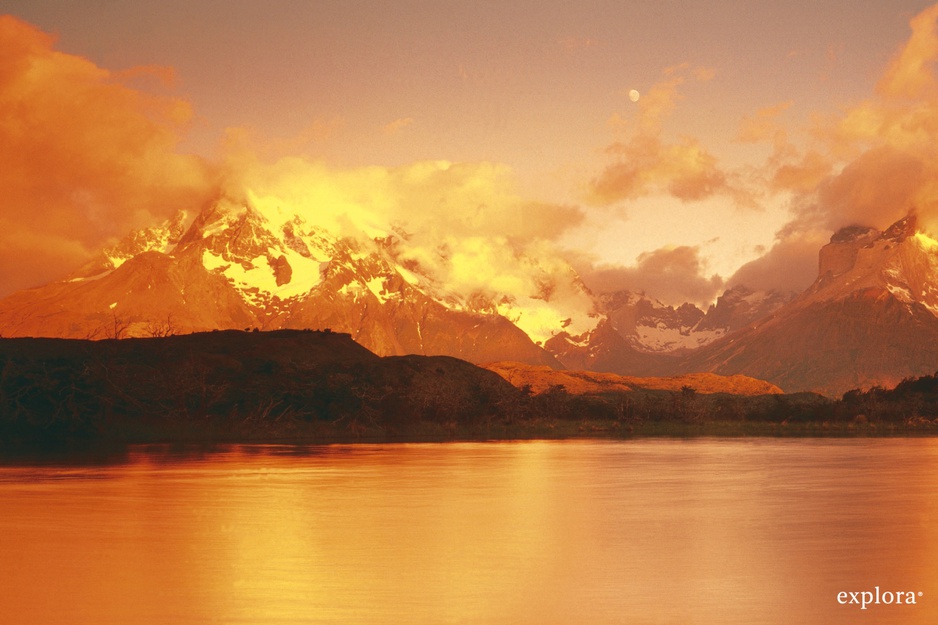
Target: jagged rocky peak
{"x": 840, "y": 255}
{"x": 854, "y": 234}
{"x": 628, "y": 308}
{"x": 900, "y": 260}
{"x": 688, "y": 314}
{"x": 734, "y": 294}
{"x": 214, "y": 217}
{"x": 741, "y": 305}
{"x": 902, "y": 229}
{"x": 162, "y": 238}
{"x": 727, "y": 304}
{"x": 246, "y": 239}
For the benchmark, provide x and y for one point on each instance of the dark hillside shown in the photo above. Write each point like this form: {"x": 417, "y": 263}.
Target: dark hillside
{"x": 225, "y": 383}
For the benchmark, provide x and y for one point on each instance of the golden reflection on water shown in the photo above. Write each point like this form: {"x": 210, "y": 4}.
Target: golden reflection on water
{"x": 375, "y": 530}
{"x": 648, "y": 531}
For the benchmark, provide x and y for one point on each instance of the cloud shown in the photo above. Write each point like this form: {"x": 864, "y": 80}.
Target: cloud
{"x": 673, "y": 275}
{"x": 247, "y": 144}
{"x": 880, "y": 186}
{"x": 397, "y": 125}
{"x": 458, "y": 199}
{"x": 83, "y": 157}
{"x": 463, "y": 226}
{"x": 645, "y": 163}
{"x": 869, "y": 164}
{"x": 911, "y": 75}
{"x": 880, "y": 156}
{"x": 801, "y": 175}
{"x": 764, "y": 125}
{"x": 790, "y": 265}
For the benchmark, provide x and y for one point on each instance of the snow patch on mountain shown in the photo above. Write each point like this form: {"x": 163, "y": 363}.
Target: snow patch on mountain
{"x": 926, "y": 242}
{"x": 662, "y": 338}
{"x": 259, "y": 272}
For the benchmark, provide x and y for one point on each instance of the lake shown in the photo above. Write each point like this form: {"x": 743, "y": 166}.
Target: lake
{"x": 699, "y": 531}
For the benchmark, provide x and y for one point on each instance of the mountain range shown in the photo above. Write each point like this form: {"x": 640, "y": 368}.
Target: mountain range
{"x": 870, "y": 317}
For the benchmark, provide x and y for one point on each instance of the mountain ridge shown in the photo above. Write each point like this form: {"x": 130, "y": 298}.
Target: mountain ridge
{"x": 868, "y": 319}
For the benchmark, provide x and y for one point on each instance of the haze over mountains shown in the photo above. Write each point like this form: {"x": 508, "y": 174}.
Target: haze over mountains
{"x": 869, "y": 318}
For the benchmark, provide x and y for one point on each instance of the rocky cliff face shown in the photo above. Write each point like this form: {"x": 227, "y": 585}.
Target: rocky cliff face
{"x": 868, "y": 319}
{"x": 901, "y": 261}
{"x": 840, "y": 255}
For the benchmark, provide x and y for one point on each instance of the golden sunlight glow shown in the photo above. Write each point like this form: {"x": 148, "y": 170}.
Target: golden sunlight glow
{"x": 439, "y": 145}
{"x": 926, "y": 241}
{"x": 458, "y": 227}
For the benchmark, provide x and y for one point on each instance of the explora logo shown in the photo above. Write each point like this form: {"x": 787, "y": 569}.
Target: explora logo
{"x": 876, "y": 597}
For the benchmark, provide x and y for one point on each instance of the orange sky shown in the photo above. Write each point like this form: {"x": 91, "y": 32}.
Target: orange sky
{"x": 760, "y": 126}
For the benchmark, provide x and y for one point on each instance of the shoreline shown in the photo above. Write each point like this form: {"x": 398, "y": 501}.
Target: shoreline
{"x": 429, "y": 432}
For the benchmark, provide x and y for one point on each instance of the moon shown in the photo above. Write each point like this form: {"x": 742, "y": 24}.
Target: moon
{"x": 634, "y": 95}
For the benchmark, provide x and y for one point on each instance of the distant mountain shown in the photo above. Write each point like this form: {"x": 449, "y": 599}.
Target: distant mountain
{"x": 638, "y": 335}
{"x": 868, "y": 319}
{"x": 234, "y": 266}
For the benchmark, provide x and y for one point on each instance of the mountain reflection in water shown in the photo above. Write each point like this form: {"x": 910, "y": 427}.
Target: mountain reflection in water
{"x": 702, "y": 531}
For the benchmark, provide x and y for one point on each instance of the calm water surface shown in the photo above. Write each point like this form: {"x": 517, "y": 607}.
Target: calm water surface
{"x": 703, "y": 531}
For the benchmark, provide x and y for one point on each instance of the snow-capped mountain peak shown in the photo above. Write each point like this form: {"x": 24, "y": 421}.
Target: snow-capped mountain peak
{"x": 901, "y": 261}
{"x": 162, "y": 238}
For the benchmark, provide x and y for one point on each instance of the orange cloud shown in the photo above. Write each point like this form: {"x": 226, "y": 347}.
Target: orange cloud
{"x": 165, "y": 76}
{"x": 397, "y": 125}
{"x": 764, "y": 125}
{"x": 787, "y": 170}
{"x": 704, "y": 74}
{"x": 673, "y": 275}
{"x": 911, "y": 73}
{"x": 869, "y": 165}
{"x": 790, "y": 265}
{"x": 430, "y": 200}
{"x": 880, "y": 186}
{"x": 83, "y": 157}
{"x": 646, "y": 164}
{"x": 247, "y": 143}
{"x": 801, "y": 176}
{"x": 880, "y": 155}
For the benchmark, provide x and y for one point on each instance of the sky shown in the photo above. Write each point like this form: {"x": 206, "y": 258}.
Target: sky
{"x": 676, "y": 148}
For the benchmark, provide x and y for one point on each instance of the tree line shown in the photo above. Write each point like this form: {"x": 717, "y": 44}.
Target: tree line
{"x": 287, "y": 384}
